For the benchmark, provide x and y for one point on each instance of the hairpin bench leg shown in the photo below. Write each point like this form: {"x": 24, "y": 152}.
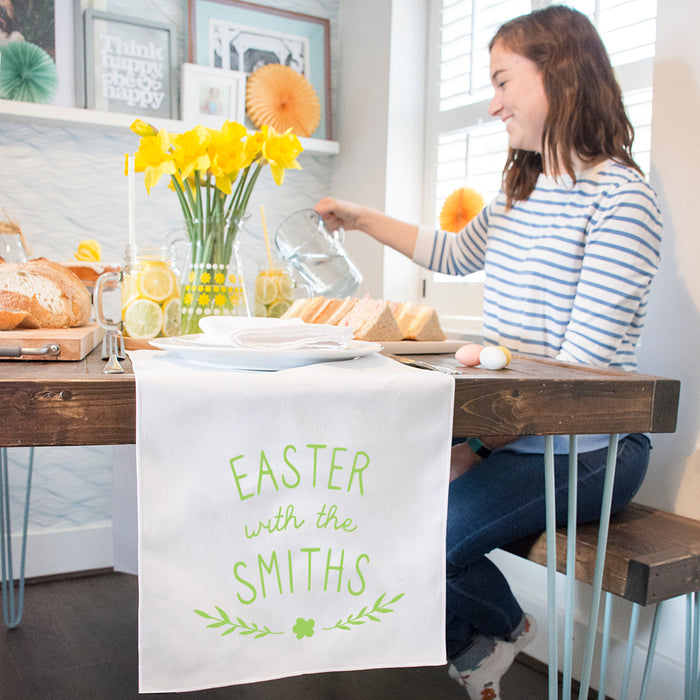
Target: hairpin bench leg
{"x": 570, "y": 567}
{"x": 599, "y": 566}
{"x": 650, "y": 651}
{"x": 692, "y": 646}
{"x": 551, "y": 524}
{"x": 605, "y": 646}
{"x": 11, "y": 608}
{"x": 634, "y": 623}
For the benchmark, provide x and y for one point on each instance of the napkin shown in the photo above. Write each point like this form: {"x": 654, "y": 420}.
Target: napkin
{"x": 290, "y": 522}
{"x": 273, "y": 334}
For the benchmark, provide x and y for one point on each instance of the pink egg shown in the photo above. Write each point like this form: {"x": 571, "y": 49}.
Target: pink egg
{"x": 468, "y": 354}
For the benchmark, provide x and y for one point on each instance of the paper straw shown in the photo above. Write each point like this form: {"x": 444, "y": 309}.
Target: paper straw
{"x": 267, "y": 238}
{"x": 129, "y": 172}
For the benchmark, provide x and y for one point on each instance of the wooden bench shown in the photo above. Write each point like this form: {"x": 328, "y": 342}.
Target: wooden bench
{"x": 652, "y": 556}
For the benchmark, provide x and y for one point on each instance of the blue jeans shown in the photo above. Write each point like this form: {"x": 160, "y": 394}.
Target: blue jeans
{"x": 502, "y": 499}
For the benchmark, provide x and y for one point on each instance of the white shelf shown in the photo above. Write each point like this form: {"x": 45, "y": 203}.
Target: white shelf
{"x": 93, "y": 118}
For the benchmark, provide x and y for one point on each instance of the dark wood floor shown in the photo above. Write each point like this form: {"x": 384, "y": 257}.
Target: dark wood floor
{"x": 77, "y": 641}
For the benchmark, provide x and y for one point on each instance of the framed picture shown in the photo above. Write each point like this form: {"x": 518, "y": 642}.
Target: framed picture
{"x": 29, "y": 21}
{"x": 241, "y": 36}
{"x": 128, "y": 65}
{"x": 210, "y": 96}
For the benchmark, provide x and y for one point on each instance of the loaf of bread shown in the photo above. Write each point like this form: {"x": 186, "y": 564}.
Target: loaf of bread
{"x": 417, "y": 321}
{"x": 41, "y": 294}
{"x": 371, "y": 319}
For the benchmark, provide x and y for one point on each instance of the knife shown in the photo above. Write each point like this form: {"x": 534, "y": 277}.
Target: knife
{"x": 425, "y": 365}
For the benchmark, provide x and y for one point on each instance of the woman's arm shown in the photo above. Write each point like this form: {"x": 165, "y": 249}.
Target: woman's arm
{"x": 396, "y": 234}
{"x": 620, "y": 259}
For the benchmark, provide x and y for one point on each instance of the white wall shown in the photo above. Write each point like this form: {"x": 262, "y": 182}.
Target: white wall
{"x": 670, "y": 341}
{"x": 362, "y": 108}
{"x": 380, "y": 120}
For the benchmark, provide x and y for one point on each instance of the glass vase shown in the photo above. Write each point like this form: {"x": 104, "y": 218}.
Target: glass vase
{"x": 212, "y": 281}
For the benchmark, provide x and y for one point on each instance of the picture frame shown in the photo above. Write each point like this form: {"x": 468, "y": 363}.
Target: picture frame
{"x": 128, "y": 65}
{"x": 211, "y": 96}
{"x": 238, "y": 35}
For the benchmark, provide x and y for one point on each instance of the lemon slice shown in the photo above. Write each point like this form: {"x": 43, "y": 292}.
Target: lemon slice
{"x": 143, "y": 318}
{"x": 277, "y": 309}
{"x": 260, "y": 309}
{"x": 156, "y": 282}
{"x": 171, "y": 317}
{"x": 89, "y": 250}
{"x": 286, "y": 285}
{"x": 266, "y": 290}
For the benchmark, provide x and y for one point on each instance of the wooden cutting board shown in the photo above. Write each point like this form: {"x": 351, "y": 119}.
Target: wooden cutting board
{"x": 74, "y": 343}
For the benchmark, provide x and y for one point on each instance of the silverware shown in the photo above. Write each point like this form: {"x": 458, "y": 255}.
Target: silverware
{"x": 113, "y": 349}
{"x": 425, "y": 365}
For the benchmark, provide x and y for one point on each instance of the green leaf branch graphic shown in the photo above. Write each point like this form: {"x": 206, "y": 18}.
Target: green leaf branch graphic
{"x": 303, "y": 627}
{"x": 240, "y": 626}
{"x": 379, "y": 608}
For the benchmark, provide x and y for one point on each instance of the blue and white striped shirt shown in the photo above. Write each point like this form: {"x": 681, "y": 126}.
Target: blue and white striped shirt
{"x": 568, "y": 271}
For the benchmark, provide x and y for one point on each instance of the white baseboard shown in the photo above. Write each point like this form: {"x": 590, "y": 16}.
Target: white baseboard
{"x": 60, "y": 551}
{"x": 529, "y": 584}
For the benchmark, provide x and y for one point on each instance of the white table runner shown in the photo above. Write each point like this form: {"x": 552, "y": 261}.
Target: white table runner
{"x": 289, "y": 522}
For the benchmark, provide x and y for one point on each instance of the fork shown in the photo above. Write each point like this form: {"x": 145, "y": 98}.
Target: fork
{"x": 113, "y": 349}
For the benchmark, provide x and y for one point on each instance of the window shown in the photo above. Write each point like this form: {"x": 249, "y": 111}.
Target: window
{"x": 467, "y": 147}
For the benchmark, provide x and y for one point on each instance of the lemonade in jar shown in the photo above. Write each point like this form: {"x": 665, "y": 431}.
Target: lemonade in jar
{"x": 150, "y": 293}
{"x": 274, "y": 292}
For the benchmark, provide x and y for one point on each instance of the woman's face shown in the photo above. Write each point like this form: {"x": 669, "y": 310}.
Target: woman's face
{"x": 520, "y": 100}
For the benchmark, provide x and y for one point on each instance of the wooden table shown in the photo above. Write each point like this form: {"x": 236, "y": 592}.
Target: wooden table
{"x": 73, "y": 403}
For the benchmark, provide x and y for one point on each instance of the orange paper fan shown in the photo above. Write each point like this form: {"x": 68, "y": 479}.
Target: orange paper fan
{"x": 460, "y": 208}
{"x": 279, "y": 96}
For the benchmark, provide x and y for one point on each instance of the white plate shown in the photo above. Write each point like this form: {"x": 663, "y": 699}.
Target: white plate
{"x": 258, "y": 359}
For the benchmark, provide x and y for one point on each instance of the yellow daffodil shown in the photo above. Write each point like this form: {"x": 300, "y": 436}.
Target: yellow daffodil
{"x": 253, "y": 148}
{"x": 153, "y": 158}
{"x": 280, "y": 151}
{"x": 226, "y": 153}
{"x": 190, "y": 151}
{"x": 142, "y": 128}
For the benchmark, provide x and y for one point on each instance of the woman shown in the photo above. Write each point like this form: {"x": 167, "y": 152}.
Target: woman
{"x": 569, "y": 246}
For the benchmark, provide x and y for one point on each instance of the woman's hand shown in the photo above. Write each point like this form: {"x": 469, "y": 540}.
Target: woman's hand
{"x": 338, "y": 214}
{"x": 463, "y": 458}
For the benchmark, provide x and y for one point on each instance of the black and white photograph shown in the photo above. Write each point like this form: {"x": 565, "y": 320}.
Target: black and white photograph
{"x": 245, "y": 48}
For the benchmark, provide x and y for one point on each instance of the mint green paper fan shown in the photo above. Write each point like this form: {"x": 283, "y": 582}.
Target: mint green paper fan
{"x": 27, "y": 73}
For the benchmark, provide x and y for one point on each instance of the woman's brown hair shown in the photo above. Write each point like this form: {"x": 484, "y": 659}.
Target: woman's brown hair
{"x": 586, "y": 116}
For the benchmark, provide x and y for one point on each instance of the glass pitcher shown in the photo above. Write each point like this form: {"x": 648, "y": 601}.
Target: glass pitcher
{"x": 303, "y": 240}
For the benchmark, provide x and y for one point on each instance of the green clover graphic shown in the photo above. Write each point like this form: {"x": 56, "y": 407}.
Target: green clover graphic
{"x": 304, "y": 628}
